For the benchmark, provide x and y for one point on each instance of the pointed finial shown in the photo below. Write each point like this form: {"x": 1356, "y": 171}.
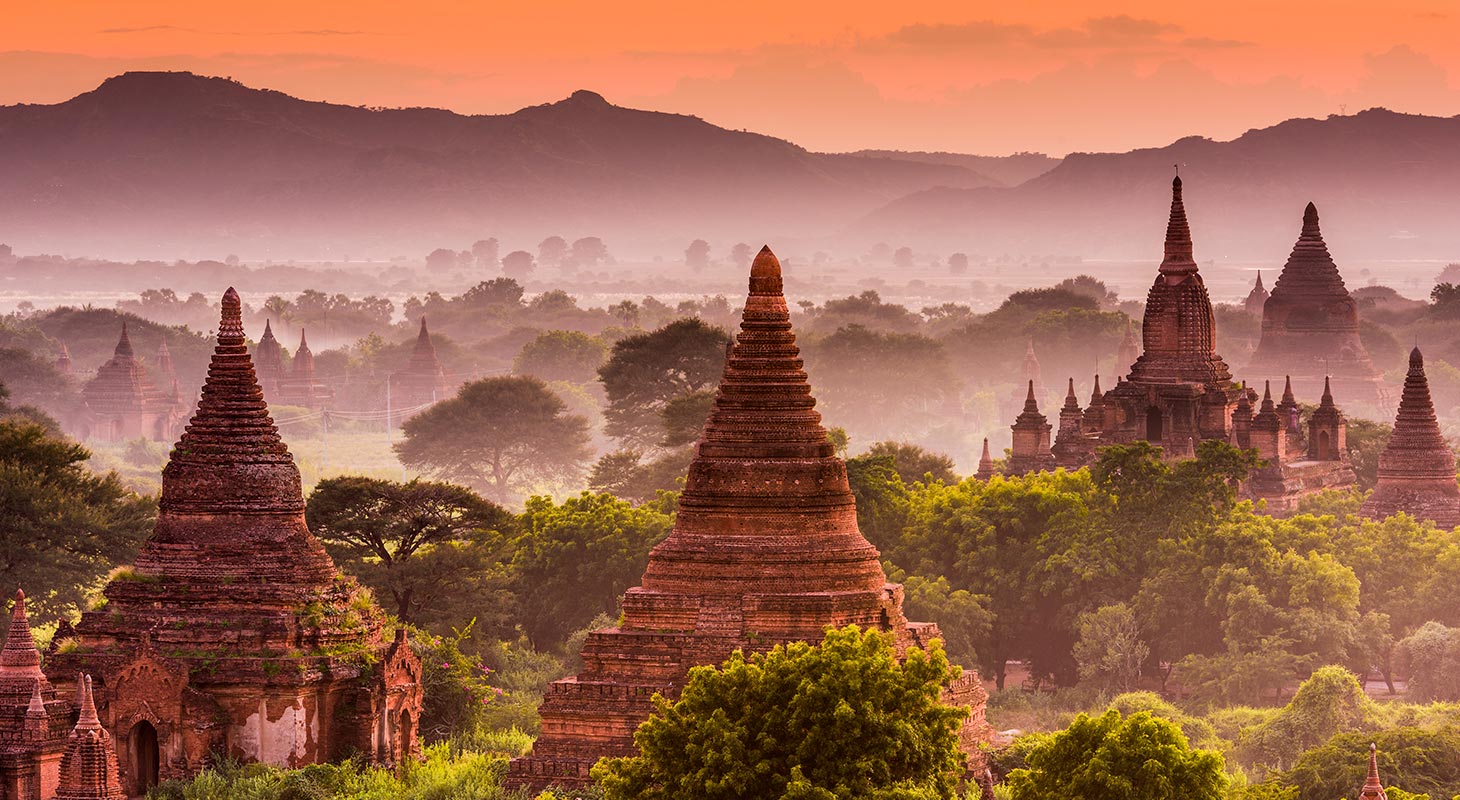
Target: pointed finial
{"x": 124, "y": 344}
{"x": 1259, "y": 280}
{"x": 1310, "y": 220}
{"x": 1179, "y": 259}
{"x": 424, "y": 332}
{"x": 37, "y": 707}
{"x": 1267, "y": 393}
{"x": 268, "y": 331}
{"x": 88, "y": 720}
{"x": 1070, "y": 393}
{"x": 303, "y": 341}
{"x": 1029, "y": 402}
{"x": 230, "y": 323}
{"x": 1288, "y": 389}
{"x": 1416, "y": 359}
{"x": 1373, "y": 787}
{"x": 1327, "y": 399}
{"x": 19, "y": 655}
{"x": 1096, "y": 392}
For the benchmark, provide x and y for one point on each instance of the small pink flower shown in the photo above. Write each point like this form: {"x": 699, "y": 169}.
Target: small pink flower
{"x": 447, "y": 665}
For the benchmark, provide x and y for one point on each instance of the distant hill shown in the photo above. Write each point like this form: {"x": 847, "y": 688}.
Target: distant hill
{"x": 1003, "y": 170}
{"x": 156, "y": 163}
{"x": 1387, "y": 186}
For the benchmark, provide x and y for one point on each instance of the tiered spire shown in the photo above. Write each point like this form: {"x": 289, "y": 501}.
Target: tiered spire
{"x": 303, "y": 366}
{"x": 1030, "y": 451}
{"x": 269, "y": 358}
{"x": 1416, "y": 469}
{"x": 1256, "y": 298}
{"x": 1327, "y": 430}
{"x": 232, "y": 508}
{"x": 1094, "y": 419}
{"x": 1242, "y": 420}
{"x": 63, "y": 360}
{"x": 766, "y": 506}
{"x": 1178, "y": 259}
{"x": 20, "y": 660}
{"x": 89, "y": 768}
{"x": 124, "y": 345}
{"x": 165, "y": 366}
{"x": 985, "y": 463}
{"x": 1373, "y": 788}
{"x": 1288, "y": 408}
{"x": 1071, "y": 447}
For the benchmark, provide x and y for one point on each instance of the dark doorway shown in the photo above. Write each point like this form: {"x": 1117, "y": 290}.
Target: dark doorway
{"x": 1325, "y": 447}
{"x": 144, "y": 759}
{"x": 1155, "y": 426}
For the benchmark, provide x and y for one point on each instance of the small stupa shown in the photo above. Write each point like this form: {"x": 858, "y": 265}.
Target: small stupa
{"x": 1416, "y": 469}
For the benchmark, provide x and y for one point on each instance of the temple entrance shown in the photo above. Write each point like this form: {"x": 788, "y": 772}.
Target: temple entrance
{"x": 1155, "y": 426}
{"x": 143, "y": 758}
{"x": 1325, "y": 447}
{"x": 407, "y": 735}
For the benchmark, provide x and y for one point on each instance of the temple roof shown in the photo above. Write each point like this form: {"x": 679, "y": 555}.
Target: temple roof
{"x": 423, "y": 357}
{"x": 1416, "y": 448}
{"x": 1178, "y": 258}
{"x": 121, "y": 385}
{"x": 1310, "y": 272}
{"x": 1373, "y": 789}
{"x": 1072, "y": 403}
{"x": 89, "y": 769}
{"x": 303, "y": 367}
{"x": 20, "y": 659}
{"x": 766, "y": 507}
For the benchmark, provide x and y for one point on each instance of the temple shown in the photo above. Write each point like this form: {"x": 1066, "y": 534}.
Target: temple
{"x": 985, "y": 463}
{"x": 122, "y": 402}
{"x": 89, "y": 769}
{"x": 301, "y": 387}
{"x": 33, "y": 716}
{"x": 1179, "y": 392}
{"x": 1310, "y": 325}
{"x": 268, "y": 361}
{"x": 1416, "y": 469}
{"x": 421, "y": 382}
{"x": 1256, "y": 298}
{"x": 765, "y": 550}
{"x": 233, "y": 634}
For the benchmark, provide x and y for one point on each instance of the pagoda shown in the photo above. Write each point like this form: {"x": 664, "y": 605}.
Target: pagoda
{"x": 268, "y": 359}
{"x": 63, "y": 360}
{"x": 420, "y": 382}
{"x": 1030, "y": 450}
{"x": 1256, "y": 298}
{"x": 302, "y": 387}
{"x": 1416, "y": 469}
{"x": 985, "y": 463}
{"x": 765, "y": 550}
{"x": 1373, "y": 789}
{"x": 1310, "y": 325}
{"x": 1071, "y": 447}
{"x": 123, "y": 403}
{"x": 33, "y": 716}
{"x": 89, "y": 768}
{"x": 233, "y": 633}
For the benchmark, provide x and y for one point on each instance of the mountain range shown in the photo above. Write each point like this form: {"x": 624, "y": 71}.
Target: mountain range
{"x": 169, "y": 165}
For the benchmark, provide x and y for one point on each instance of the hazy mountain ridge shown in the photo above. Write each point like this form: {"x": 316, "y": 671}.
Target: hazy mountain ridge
{"x": 1387, "y": 185}
{"x": 175, "y": 156}
{"x": 1010, "y": 170}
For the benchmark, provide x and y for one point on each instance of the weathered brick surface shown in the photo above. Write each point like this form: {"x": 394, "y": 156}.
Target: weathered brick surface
{"x": 1416, "y": 469}
{"x": 89, "y": 768}
{"x": 34, "y": 717}
{"x": 765, "y": 550}
{"x": 233, "y": 633}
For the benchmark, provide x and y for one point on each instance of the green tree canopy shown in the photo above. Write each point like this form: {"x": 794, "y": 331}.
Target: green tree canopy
{"x": 64, "y": 526}
{"x": 500, "y": 436}
{"x": 1139, "y": 757}
{"x": 834, "y": 721}
{"x": 914, "y": 462}
{"x": 573, "y": 561}
{"x": 433, "y": 550}
{"x": 562, "y": 356}
{"x": 647, "y": 371}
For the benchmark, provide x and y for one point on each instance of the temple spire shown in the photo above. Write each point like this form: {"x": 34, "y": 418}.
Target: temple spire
{"x": 89, "y": 769}
{"x": 19, "y": 656}
{"x": 985, "y": 463}
{"x": 1071, "y": 402}
{"x": 1373, "y": 788}
{"x": 1178, "y": 258}
{"x": 124, "y": 345}
{"x": 1416, "y": 469}
{"x": 88, "y": 720}
{"x": 1030, "y": 404}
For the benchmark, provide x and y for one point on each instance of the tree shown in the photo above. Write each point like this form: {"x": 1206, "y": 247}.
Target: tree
{"x": 697, "y": 255}
{"x": 1445, "y": 301}
{"x": 64, "y": 525}
{"x": 892, "y": 383}
{"x": 518, "y": 264}
{"x": 903, "y": 258}
{"x": 1425, "y": 761}
{"x": 625, "y": 474}
{"x": 499, "y": 435}
{"x": 839, "y": 719}
{"x": 741, "y": 255}
{"x": 958, "y": 264}
{"x": 1433, "y": 655}
{"x": 425, "y": 546}
{"x": 916, "y": 463}
{"x": 1139, "y": 757}
{"x": 485, "y": 252}
{"x": 552, "y": 250}
{"x": 1110, "y": 651}
{"x": 646, "y": 371}
{"x": 590, "y": 251}
{"x": 441, "y": 259}
{"x": 685, "y": 417}
{"x": 562, "y": 356}
{"x": 573, "y": 561}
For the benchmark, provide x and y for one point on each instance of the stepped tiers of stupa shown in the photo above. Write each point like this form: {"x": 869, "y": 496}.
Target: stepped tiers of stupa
{"x": 1416, "y": 469}
{"x": 34, "y": 717}
{"x": 233, "y": 633}
{"x": 123, "y": 402}
{"x": 1310, "y": 325}
{"x": 765, "y": 550}
{"x": 1179, "y": 392}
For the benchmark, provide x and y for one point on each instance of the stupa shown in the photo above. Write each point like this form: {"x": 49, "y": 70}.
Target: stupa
{"x": 233, "y": 633}
{"x": 1310, "y": 325}
{"x": 985, "y": 463}
{"x": 1256, "y": 298}
{"x": 123, "y": 403}
{"x": 1071, "y": 446}
{"x": 1416, "y": 469}
{"x": 34, "y": 718}
{"x": 301, "y": 387}
{"x": 1030, "y": 450}
{"x": 420, "y": 382}
{"x": 268, "y": 360}
{"x": 89, "y": 768}
{"x": 765, "y": 550}
{"x": 1373, "y": 789}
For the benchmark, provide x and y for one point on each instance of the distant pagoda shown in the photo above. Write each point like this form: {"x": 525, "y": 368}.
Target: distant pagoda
{"x": 1416, "y": 469}
{"x": 123, "y": 403}
{"x": 301, "y": 387}
{"x": 1256, "y": 298}
{"x": 765, "y": 550}
{"x": 420, "y": 382}
{"x": 1310, "y": 325}
{"x": 268, "y": 360}
{"x": 233, "y": 634}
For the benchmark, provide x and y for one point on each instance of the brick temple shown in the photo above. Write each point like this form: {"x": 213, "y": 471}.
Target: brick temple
{"x": 122, "y": 402}
{"x": 301, "y": 386}
{"x": 1179, "y": 392}
{"x": 233, "y": 633}
{"x": 765, "y": 550}
{"x": 34, "y": 717}
{"x": 1310, "y": 325}
{"x": 421, "y": 381}
{"x": 1416, "y": 469}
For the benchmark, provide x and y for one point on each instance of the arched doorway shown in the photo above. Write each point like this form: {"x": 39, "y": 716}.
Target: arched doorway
{"x": 407, "y": 735}
{"x": 1325, "y": 447}
{"x": 143, "y": 758}
{"x": 1155, "y": 426}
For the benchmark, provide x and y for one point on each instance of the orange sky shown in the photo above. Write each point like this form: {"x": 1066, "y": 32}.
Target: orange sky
{"x": 972, "y": 77}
